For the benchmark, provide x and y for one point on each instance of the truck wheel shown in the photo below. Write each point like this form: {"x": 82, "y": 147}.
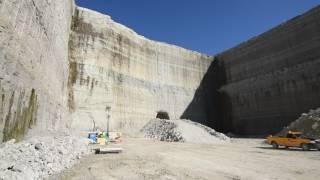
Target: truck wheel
{"x": 275, "y": 145}
{"x": 305, "y": 147}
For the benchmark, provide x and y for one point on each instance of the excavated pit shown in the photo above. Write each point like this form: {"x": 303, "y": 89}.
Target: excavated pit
{"x": 257, "y": 87}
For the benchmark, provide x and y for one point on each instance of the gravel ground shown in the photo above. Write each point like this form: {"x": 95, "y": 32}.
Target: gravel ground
{"x": 245, "y": 159}
{"x": 40, "y": 157}
{"x": 182, "y": 131}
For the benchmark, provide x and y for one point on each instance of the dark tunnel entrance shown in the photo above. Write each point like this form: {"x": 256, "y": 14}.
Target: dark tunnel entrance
{"x": 163, "y": 115}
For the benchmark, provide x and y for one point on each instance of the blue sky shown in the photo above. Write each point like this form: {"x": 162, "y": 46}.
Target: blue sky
{"x": 207, "y": 26}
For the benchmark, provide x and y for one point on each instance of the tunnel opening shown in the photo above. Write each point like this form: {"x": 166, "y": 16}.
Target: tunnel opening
{"x": 163, "y": 115}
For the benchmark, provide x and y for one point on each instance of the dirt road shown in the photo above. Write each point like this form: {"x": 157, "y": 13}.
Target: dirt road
{"x": 241, "y": 159}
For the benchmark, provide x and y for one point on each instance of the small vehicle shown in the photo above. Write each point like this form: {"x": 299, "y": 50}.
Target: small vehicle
{"x": 293, "y": 139}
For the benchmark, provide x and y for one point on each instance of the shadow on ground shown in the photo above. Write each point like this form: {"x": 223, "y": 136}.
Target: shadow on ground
{"x": 286, "y": 149}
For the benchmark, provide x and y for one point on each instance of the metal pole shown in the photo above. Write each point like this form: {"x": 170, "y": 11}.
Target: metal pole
{"x": 108, "y": 117}
{"x": 108, "y": 108}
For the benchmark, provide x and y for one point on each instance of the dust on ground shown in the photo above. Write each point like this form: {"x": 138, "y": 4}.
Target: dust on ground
{"x": 241, "y": 159}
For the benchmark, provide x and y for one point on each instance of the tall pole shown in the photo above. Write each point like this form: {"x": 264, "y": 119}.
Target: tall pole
{"x": 108, "y": 119}
{"x": 108, "y": 108}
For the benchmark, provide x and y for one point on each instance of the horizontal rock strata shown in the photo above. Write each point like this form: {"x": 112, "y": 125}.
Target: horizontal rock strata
{"x": 271, "y": 79}
{"x": 126, "y": 77}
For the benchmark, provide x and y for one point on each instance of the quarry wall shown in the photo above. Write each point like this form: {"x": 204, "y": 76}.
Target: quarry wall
{"x": 271, "y": 79}
{"x": 34, "y": 66}
{"x": 65, "y": 67}
{"x": 119, "y": 75}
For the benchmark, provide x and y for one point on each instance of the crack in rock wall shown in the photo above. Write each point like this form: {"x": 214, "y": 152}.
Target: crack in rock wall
{"x": 126, "y": 77}
{"x": 34, "y": 66}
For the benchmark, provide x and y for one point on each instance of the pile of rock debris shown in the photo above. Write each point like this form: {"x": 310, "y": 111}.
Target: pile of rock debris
{"x": 40, "y": 157}
{"x": 182, "y": 131}
{"x": 308, "y": 124}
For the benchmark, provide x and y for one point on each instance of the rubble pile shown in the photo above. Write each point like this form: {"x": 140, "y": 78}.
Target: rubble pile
{"x": 163, "y": 130}
{"x": 308, "y": 124}
{"x": 40, "y": 157}
{"x": 182, "y": 131}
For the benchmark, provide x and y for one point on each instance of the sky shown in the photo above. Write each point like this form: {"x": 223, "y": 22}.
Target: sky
{"x": 206, "y": 26}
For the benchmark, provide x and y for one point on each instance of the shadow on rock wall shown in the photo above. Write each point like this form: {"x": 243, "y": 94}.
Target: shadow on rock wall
{"x": 210, "y": 106}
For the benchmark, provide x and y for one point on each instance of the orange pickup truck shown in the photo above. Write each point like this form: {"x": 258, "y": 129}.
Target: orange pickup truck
{"x": 294, "y": 139}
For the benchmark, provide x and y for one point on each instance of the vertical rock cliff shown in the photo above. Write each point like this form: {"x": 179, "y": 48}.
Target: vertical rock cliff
{"x": 273, "y": 78}
{"x": 119, "y": 75}
{"x": 34, "y": 66}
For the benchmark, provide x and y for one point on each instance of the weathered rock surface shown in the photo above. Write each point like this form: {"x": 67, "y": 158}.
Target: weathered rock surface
{"x": 268, "y": 81}
{"x": 102, "y": 70}
{"x": 121, "y": 74}
{"x": 34, "y": 66}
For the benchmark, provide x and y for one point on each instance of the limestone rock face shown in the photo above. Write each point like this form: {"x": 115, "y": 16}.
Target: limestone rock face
{"x": 34, "y": 66}
{"x": 271, "y": 79}
{"x": 65, "y": 67}
{"x": 118, "y": 74}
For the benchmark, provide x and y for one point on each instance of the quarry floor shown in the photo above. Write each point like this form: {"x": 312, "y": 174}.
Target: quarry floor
{"x": 240, "y": 159}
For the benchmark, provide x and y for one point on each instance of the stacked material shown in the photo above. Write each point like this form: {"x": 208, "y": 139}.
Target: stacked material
{"x": 40, "y": 157}
{"x": 182, "y": 131}
{"x": 308, "y": 124}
